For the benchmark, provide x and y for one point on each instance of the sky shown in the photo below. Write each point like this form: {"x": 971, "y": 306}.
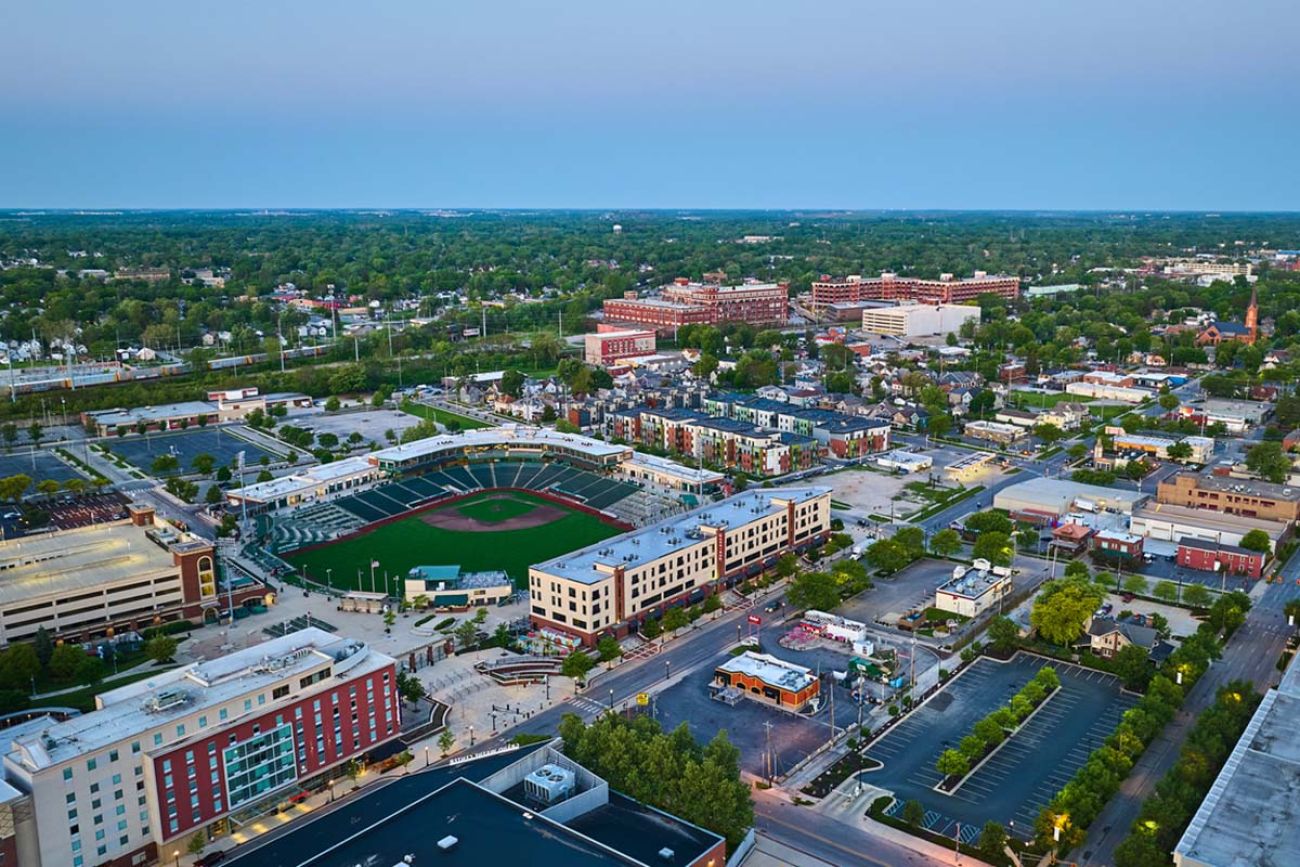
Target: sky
{"x": 907, "y": 104}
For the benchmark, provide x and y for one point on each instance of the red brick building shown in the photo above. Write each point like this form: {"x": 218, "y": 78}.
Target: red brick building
{"x": 686, "y": 303}
{"x": 611, "y": 344}
{"x": 891, "y": 287}
{"x": 1209, "y": 557}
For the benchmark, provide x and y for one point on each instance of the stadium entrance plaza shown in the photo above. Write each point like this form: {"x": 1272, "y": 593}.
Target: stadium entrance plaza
{"x": 1024, "y": 774}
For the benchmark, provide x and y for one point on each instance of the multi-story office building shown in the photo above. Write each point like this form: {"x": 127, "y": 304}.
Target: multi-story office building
{"x": 919, "y": 320}
{"x": 891, "y": 287}
{"x": 88, "y": 582}
{"x": 199, "y": 749}
{"x": 1233, "y": 496}
{"x": 610, "y": 588}
{"x": 611, "y": 344}
{"x": 686, "y": 303}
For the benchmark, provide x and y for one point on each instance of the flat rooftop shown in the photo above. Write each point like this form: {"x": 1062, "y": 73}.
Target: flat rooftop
{"x": 1251, "y": 813}
{"x": 770, "y": 670}
{"x": 1059, "y": 495}
{"x": 115, "y": 417}
{"x": 1253, "y": 487}
{"x": 153, "y": 703}
{"x": 596, "y": 562}
{"x": 972, "y": 585}
{"x": 1210, "y": 520}
{"x": 313, "y": 477}
{"x": 84, "y": 558}
{"x": 672, "y": 468}
{"x": 507, "y": 435}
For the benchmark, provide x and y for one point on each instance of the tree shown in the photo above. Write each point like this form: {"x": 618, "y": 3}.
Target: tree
{"x": 912, "y": 539}
{"x": 994, "y": 547}
{"x": 676, "y": 619}
{"x": 10, "y": 433}
{"x": 466, "y": 633}
{"x": 577, "y": 665}
{"x": 1048, "y": 433}
{"x": 35, "y": 432}
{"x": 1269, "y": 461}
{"x": 445, "y": 741}
{"x": 939, "y": 425}
{"x": 409, "y": 687}
{"x": 988, "y": 731}
{"x": 1003, "y": 634}
{"x": 44, "y": 645}
{"x": 989, "y": 522}
{"x": 161, "y": 648}
{"x": 19, "y": 664}
{"x": 1197, "y": 595}
{"x": 223, "y": 474}
{"x": 1132, "y": 666}
{"x": 652, "y": 628}
{"x": 712, "y": 603}
{"x": 165, "y": 464}
{"x": 1063, "y": 607}
{"x": 203, "y": 463}
{"x": 198, "y": 842}
{"x": 1168, "y": 402}
{"x": 332, "y": 404}
{"x": 64, "y": 661}
{"x": 1179, "y": 451}
{"x": 1077, "y": 451}
{"x": 992, "y": 840}
{"x": 12, "y": 488}
{"x": 913, "y": 813}
{"x": 888, "y": 555}
{"x": 946, "y": 542}
{"x": 1256, "y": 540}
{"x": 512, "y": 383}
{"x": 608, "y": 648}
{"x": 1166, "y": 591}
{"x": 90, "y": 669}
{"x": 787, "y": 565}
{"x": 48, "y": 487}
{"x": 813, "y": 591}
{"x": 951, "y": 763}
{"x": 1135, "y": 584}
{"x": 377, "y": 399}
{"x": 213, "y": 495}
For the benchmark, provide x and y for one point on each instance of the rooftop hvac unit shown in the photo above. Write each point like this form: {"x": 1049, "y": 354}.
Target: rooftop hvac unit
{"x": 550, "y": 784}
{"x": 446, "y": 844}
{"x": 667, "y": 854}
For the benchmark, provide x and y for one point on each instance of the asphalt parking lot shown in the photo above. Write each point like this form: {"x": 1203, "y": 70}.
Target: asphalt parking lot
{"x": 793, "y": 736}
{"x": 36, "y": 465}
{"x": 1026, "y": 772}
{"x": 911, "y": 587}
{"x": 221, "y": 443}
{"x": 371, "y": 424}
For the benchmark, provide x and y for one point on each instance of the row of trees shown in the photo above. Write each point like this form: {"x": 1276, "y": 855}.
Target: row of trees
{"x": 1074, "y": 808}
{"x": 1165, "y": 815}
{"x": 990, "y": 731}
{"x": 668, "y": 770}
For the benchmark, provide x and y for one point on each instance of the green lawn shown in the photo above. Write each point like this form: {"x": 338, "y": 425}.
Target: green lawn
{"x": 441, "y": 416}
{"x": 404, "y": 544}
{"x": 1046, "y": 401}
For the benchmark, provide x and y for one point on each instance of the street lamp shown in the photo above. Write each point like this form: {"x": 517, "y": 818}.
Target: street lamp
{"x": 426, "y": 757}
{"x": 177, "y": 856}
{"x": 331, "y": 785}
{"x": 328, "y": 574}
{"x": 471, "y": 736}
{"x": 668, "y": 670}
{"x": 611, "y": 699}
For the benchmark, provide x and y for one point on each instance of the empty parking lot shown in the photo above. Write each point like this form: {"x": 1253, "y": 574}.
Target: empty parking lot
{"x": 1022, "y": 776}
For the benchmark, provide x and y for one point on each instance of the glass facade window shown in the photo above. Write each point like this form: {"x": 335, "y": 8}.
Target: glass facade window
{"x": 259, "y": 765}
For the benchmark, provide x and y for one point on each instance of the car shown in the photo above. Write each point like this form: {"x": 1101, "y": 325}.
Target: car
{"x": 1127, "y": 597}
{"x": 210, "y": 859}
{"x": 12, "y": 515}
{"x": 774, "y": 605}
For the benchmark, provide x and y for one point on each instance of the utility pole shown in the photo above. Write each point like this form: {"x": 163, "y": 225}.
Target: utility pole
{"x": 767, "y": 752}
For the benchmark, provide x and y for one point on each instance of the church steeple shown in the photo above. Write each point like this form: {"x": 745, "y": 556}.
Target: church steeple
{"x": 1252, "y": 315}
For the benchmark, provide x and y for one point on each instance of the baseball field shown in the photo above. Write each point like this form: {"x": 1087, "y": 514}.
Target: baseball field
{"x": 494, "y": 530}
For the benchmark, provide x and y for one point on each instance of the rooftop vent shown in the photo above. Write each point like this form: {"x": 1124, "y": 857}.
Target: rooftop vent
{"x": 667, "y": 854}
{"x": 446, "y": 844}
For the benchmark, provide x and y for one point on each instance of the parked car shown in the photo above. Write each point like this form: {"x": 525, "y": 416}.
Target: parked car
{"x": 211, "y": 859}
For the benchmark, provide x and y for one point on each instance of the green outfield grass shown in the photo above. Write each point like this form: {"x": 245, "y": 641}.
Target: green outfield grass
{"x": 411, "y": 542}
{"x": 441, "y": 416}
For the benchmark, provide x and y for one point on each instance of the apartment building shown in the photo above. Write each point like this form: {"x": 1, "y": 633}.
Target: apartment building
{"x": 613, "y": 586}
{"x": 723, "y": 442}
{"x": 1234, "y": 496}
{"x": 948, "y": 289}
{"x": 204, "y": 748}
{"x": 87, "y": 582}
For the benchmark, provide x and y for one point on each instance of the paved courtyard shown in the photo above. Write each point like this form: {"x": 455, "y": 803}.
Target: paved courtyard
{"x": 1022, "y": 776}
{"x": 370, "y": 423}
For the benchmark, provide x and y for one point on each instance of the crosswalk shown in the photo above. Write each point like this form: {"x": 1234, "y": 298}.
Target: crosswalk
{"x": 587, "y": 706}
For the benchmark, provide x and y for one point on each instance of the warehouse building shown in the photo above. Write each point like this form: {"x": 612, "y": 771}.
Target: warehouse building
{"x": 1202, "y": 447}
{"x": 611, "y": 587}
{"x": 1047, "y": 500}
{"x": 1174, "y": 523}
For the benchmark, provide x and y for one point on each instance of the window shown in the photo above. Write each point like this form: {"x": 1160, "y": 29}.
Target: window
{"x": 67, "y": 773}
{"x": 112, "y": 755}
{"x": 90, "y": 764}
{"x": 135, "y": 746}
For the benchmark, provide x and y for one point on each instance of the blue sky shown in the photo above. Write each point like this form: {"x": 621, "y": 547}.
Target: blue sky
{"x": 1087, "y": 104}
